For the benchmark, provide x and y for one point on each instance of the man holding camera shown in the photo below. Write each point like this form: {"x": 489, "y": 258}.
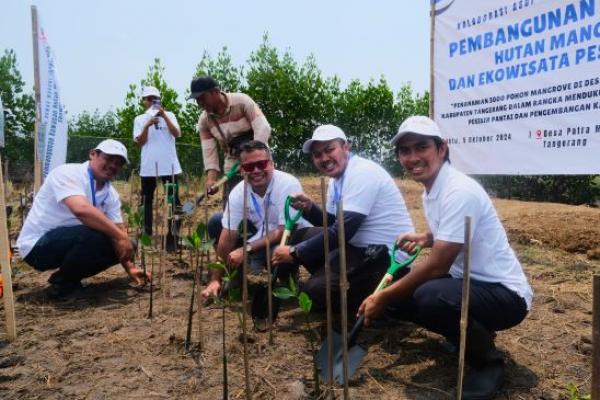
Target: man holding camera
{"x": 155, "y": 132}
{"x": 229, "y": 119}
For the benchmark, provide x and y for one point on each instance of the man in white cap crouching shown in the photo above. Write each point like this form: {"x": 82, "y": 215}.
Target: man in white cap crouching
{"x": 75, "y": 222}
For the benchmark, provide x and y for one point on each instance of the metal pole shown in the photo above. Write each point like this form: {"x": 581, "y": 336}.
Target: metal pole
{"x": 37, "y": 170}
{"x": 596, "y": 339}
{"x": 464, "y": 311}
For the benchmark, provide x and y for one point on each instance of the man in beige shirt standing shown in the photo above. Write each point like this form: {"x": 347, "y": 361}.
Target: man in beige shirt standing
{"x": 229, "y": 119}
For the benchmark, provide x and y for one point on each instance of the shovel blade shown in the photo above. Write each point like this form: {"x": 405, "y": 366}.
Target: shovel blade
{"x": 356, "y": 353}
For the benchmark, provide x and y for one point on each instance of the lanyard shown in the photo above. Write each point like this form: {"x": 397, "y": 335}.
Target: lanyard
{"x": 258, "y": 208}
{"x": 339, "y": 184}
{"x": 93, "y": 188}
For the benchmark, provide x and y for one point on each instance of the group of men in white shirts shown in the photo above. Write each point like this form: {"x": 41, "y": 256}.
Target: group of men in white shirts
{"x": 76, "y": 218}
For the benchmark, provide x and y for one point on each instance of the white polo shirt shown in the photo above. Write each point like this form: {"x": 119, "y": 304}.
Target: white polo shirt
{"x": 160, "y": 146}
{"x": 453, "y": 196}
{"x": 49, "y": 211}
{"x": 282, "y": 184}
{"x": 368, "y": 189}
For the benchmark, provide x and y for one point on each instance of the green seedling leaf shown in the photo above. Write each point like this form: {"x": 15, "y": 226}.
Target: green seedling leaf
{"x": 283, "y": 293}
{"x": 293, "y": 285}
{"x": 217, "y": 265}
{"x": 146, "y": 239}
{"x": 233, "y": 274}
{"x": 127, "y": 209}
{"x": 304, "y": 302}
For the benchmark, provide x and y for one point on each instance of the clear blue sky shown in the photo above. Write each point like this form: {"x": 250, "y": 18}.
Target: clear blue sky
{"x": 103, "y": 46}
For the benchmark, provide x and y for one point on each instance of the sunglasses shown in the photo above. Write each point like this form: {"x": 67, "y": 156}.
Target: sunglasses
{"x": 261, "y": 165}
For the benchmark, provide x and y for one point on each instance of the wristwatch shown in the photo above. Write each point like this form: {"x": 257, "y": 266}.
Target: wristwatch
{"x": 294, "y": 254}
{"x": 249, "y": 248}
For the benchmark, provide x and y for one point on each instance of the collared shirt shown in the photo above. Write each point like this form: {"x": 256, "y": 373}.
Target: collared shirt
{"x": 49, "y": 210}
{"x": 241, "y": 115}
{"x": 369, "y": 190}
{"x": 453, "y": 196}
{"x": 160, "y": 146}
{"x": 282, "y": 185}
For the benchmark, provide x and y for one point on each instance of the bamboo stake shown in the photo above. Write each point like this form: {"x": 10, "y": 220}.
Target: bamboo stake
{"x": 9, "y": 302}
{"x": 163, "y": 249}
{"x": 343, "y": 292}
{"x": 464, "y": 311}
{"x": 150, "y": 309}
{"x": 206, "y": 255}
{"x": 188, "y": 335}
{"x": 269, "y": 281}
{"x": 245, "y": 290}
{"x": 431, "y": 60}
{"x": 37, "y": 167}
{"x": 596, "y": 338}
{"x": 327, "y": 290}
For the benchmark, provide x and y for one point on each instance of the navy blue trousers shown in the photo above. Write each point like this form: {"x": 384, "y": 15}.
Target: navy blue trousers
{"x": 77, "y": 251}
{"x": 436, "y": 306}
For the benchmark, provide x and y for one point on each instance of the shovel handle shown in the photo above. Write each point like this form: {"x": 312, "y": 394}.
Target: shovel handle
{"x": 355, "y": 329}
{"x": 228, "y": 175}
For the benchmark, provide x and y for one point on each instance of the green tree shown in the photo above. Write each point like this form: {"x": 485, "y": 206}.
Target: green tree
{"x": 295, "y": 98}
{"x": 19, "y": 115}
{"x": 95, "y": 124}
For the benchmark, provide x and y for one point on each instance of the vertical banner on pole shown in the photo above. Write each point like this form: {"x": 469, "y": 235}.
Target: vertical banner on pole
{"x": 52, "y": 129}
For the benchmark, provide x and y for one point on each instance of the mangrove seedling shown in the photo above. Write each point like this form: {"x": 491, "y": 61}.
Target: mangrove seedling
{"x": 305, "y": 304}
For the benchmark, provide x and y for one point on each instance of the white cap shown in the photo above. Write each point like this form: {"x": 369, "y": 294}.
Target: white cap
{"x": 324, "y": 133}
{"x": 150, "y": 91}
{"x": 113, "y": 148}
{"x": 419, "y": 125}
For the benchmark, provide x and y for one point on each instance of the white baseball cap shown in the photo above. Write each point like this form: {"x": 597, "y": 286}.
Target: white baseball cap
{"x": 150, "y": 91}
{"x": 419, "y": 125}
{"x": 324, "y": 133}
{"x": 113, "y": 148}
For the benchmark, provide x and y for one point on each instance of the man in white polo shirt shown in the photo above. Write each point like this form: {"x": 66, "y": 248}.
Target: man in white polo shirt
{"x": 75, "y": 222}
{"x": 430, "y": 293}
{"x": 374, "y": 214}
{"x": 155, "y": 132}
{"x": 267, "y": 192}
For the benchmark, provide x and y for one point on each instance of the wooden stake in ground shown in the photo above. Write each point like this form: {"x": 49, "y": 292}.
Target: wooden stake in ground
{"x": 269, "y": 281}
{"x": 327, "y": 289}
{"x": 9, "y": 302}
{"x": 343, "y": 292}
{"x": 464, "y": 310}
{"x": 596, "y": 338}
{"x": 245, "y": 291}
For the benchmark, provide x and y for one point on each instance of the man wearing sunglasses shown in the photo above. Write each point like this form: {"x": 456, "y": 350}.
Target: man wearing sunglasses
{"x": 155, "y": 131}
{"x": 266, "y": 194}
{"x": 374, "y": 213}
{"x": 229, "y": 119}
{"x": 75, "y": 222}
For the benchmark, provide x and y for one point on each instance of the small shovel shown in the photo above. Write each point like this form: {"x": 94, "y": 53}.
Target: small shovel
{"x": 260, "y": 301}
{"x": 356, "y": 353}
{"x": 189, "y": 206}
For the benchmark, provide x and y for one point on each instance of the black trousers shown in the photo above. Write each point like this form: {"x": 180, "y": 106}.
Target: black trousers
{"x": 365, "y": 266}
{"x": 148, "y": 188}
{"x": 436, "y": 306}
{"x": 77, "y": 251}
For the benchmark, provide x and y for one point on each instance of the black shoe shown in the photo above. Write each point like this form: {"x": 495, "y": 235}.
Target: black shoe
{"x": 171, "y": 244}
{"x": 482, "y": 383}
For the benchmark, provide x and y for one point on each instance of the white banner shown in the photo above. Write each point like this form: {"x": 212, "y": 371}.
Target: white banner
{"x": 517, "y": 85}
{"x": 52, "y": 144}
{"x": 1, "y": 124}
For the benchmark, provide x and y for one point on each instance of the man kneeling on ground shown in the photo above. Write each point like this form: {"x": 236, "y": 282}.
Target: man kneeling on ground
{"x": 374, "y": 214}
{"x": 75, "y": 222}
{"x": 430, "y": 293}
{"x": 267, "y": 192}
